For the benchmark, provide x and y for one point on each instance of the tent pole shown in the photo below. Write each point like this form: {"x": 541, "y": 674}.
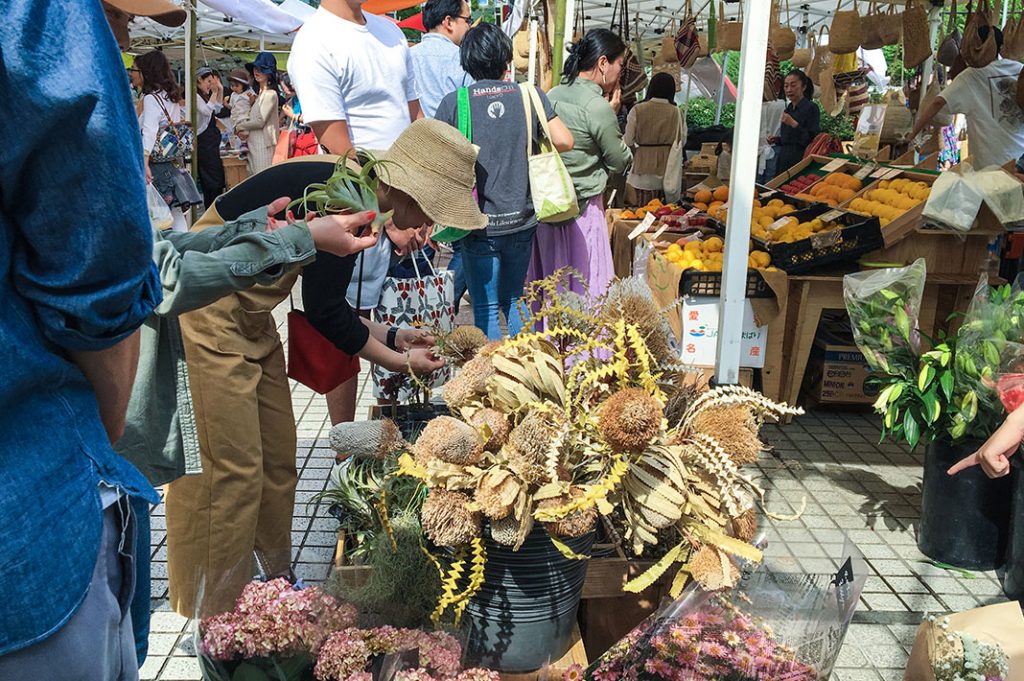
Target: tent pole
{"x": 531, "y": 70}
{"x": 741, "y": 190}
{"x": 190, "y": 74}
{"x": 558, "y": 47}
{"x": 721, "y": 87}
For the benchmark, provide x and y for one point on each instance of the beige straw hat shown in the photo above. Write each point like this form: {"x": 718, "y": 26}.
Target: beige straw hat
{"x": 436, "y": 165}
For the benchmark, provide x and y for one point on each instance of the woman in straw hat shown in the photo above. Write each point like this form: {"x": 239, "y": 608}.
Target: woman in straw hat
{"x": 244, "y": 497}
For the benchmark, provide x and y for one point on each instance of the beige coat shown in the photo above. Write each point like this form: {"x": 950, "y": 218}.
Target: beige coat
{"x": 651, "y": 129}
{"x": 262, "y": 124}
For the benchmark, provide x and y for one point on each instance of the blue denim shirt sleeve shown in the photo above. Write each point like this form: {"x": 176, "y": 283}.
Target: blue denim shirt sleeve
{"x": 71, "y": 176}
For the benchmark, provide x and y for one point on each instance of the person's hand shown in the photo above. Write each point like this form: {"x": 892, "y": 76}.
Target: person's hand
{"x": 252, "y": 97}
{"x": 615, "y": 99}
{"x": 149, "y": 174}
{"x": 789, "y": 120}
{"x": 773, "y": 140}
{"x": 243, "y": 134}
{"x": 342, "y": 235}
{"x": 407, "y": 241}
{"x": 994, "y": 455}
{"x": 423, "y": 362}
{"x": 275, "y": 207}
{"x": 406, "y": 339}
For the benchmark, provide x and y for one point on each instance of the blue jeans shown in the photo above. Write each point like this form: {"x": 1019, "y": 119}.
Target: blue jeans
{"x": 495, "y": 268}
{"x": 140, "y": 601}
{"x": 459, "y": 272}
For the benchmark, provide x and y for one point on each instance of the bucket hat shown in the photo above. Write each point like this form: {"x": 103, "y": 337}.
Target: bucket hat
{"x": 435, "y": 164}
{"x": 264, "y": 63}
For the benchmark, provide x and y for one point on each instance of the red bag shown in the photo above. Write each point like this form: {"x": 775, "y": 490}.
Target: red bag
{"x": 313, "y": 360}
{"x": 304, "y": 143}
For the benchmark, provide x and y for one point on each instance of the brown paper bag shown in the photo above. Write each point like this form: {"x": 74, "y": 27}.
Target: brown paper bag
{"x": 845, "y": 33}
{"x": 1002, "y": 624}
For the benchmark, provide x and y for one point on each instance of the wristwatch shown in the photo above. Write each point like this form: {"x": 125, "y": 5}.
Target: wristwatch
{"x": 392, "y": 338}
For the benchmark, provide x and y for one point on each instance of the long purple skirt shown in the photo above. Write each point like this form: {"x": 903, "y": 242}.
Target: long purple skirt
{"x": 582, "y": 244}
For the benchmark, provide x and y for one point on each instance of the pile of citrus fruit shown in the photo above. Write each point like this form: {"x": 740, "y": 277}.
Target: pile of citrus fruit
{"x": 835, "y": 189}
{"x": 706, "y": 256}
{"x": 711, "y": 202}
{"x": 891, "y": 199}
{"x": 654, "y": 206}
{"x": 762, "y": 217}
{"x": 793, "y": 230}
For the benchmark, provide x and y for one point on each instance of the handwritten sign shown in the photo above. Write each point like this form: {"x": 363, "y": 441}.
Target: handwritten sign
{"x": 642, "y": 227}
{"x": 833, "y": 165}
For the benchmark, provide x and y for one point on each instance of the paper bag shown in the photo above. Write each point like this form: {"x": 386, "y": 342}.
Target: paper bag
{"x": 1002, "y": 624}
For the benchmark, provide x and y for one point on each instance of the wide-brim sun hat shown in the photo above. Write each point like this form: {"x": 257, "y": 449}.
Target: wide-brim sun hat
{"x": 435, "y": 164}
{"x": 239, "y": 76}
{"x": 264, "y": 63}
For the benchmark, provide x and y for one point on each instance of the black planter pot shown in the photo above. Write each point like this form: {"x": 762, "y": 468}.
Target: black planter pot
{"x": 1013, "y": 578}
{"x": 524, "y": 615}
{"x": 965, "y": 518}
{"x": 410, "y": 418}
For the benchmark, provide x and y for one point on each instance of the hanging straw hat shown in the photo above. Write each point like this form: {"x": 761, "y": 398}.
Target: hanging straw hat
{"x": 435, "y": 164}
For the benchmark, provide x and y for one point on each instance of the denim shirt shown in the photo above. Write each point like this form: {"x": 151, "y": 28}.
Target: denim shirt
{"x": 438, "y": 70}
{"x": 76, "y": 274}
{"x": 196, "y": 268}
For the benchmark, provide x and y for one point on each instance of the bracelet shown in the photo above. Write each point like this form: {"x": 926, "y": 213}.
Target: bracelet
{"x": 392, "y": 338}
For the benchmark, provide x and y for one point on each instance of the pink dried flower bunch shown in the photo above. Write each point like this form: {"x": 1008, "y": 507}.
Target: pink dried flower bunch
{"x": 274, "y": 619}
{"x": 346, "y": 655}
{"x": 711, "y": 643}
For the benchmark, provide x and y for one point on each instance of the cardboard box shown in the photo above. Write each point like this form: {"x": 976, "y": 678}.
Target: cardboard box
{"x": 838, "y": 374}
{"x": 699, "y": 345}
{"x": 702, "y": 376}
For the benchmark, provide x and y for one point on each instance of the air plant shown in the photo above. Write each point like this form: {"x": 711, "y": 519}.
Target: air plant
{"x": 348, "y": 190}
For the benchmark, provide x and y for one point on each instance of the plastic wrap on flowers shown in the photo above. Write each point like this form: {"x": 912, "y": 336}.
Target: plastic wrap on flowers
{"x": 779, "y": 624}
{"x": 884, "y": 307}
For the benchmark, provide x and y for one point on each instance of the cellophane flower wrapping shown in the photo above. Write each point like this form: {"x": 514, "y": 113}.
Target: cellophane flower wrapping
{"x": 884, "y": 307}
{"x": 780, "y": 624}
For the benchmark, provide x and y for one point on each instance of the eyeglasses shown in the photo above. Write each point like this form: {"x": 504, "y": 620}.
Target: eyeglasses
{"x": 466, "y": 19}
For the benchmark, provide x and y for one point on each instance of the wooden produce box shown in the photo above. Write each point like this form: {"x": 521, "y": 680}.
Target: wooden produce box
{"x": 910, "y": 220}
{"x": 814, "y": 164}
{"x": 235, "y": 170}
{"x": 943, "y": 252}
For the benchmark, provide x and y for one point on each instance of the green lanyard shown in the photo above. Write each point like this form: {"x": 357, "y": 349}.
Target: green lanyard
{"x": 465, "y": 121}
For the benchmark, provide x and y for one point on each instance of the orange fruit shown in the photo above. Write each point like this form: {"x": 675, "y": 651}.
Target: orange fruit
{"x": 721, "y": 193}
{"x": 703, "y": 196}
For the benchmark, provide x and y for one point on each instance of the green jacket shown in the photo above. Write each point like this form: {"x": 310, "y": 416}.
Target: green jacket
{"x": 196, "y": 268}
{"x": 598, "y": 150}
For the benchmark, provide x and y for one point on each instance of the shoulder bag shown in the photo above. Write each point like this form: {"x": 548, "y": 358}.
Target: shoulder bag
{"x": 554, "y": 197}
{"x": 672, "y": 180}
{"x": 174, "y": 141}
{"x": 949, "y": 48}
{"x": 976, "y": 52}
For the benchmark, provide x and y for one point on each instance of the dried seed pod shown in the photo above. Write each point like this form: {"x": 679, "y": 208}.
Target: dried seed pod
{"x": 575, "y": 524}
{"x": 446, "y": 519}
{"x": 631, "y": 300}
{"x": 496, "y": 493}
{"x": 463, "y": 343}
{"x": 366, "y": 439}
{"x": 511, "y": 531}
{"x": 712, "y": 569}
{"x": 497, "y": 427}
{"x": 451, "y": 441}
{"x": 629, "y": 420}
{"x": 470, "y": 382}
{"x": 528, "y": 446}
{"x": 745, "y": 526}
{"x": 734, "y": 427}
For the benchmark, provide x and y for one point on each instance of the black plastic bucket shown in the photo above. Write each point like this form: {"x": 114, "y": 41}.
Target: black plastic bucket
{"x": 525, "y": 613}
{"x": 965, "y": 518}
{"x": 1013, "y": 578}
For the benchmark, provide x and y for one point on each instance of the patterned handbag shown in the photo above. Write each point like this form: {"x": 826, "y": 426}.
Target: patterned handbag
{"x": 423, "y": 302}
{"x": 174, "y": 140}
{"x": 856, "y": 98}
{"x": 687, "y": 40}
{"x": 633, "y": 78}
{"x": 772, "y": 75}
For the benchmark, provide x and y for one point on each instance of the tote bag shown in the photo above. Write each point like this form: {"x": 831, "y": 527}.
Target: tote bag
{"x": 424, "y": 302}
{"x": 730, "y": 33}
{"x": 1013, "y": 38}
{"x": 672, "y": 181}
{"x": 871, "y": 27}
{"x": 554, "y": 196}
{"x": 916, "y": 35}
{"x": 949, "y": 48}
{"x": 891, "y": 30}
{"x": 781, "y": 36}
{"x": 976, "y": 52}
{"x": 845, "y": 34}
{"x": 687, "y": 41}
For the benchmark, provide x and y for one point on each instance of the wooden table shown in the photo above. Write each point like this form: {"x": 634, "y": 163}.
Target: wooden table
{"x": 791, "y": 335}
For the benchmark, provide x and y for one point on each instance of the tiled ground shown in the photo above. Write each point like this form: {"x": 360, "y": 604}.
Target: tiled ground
{"x": 853, "y": 486}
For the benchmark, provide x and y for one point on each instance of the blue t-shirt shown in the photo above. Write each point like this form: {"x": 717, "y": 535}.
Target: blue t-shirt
{"x": 76, "y": 274}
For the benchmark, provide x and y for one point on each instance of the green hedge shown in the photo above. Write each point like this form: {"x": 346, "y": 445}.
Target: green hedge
{"x": 701, "y": 114}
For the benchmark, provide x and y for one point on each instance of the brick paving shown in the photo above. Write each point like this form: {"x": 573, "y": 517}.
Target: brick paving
{"x": 854, "y": 488}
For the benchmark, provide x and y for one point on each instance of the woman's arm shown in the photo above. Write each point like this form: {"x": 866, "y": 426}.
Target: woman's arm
{"x": 260, "y": 113}
{"x": 629, "y": 137}
{"x": 604, "y": 128}
{"x": 561, "y": 137}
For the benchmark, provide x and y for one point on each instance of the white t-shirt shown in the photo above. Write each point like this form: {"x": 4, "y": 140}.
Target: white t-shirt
{"x": 358, "y": 74}
{"x": 995, "y": 122}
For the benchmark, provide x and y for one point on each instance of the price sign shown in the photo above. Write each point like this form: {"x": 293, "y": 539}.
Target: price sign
{"x": 833, "y": 165}
{"x": 765, "y": 195}
{"x": 865, "y": 171}
{"x": 893, "y": 172}
{"x": 880, "y": 173}
{"x": 781, "y": 222}
{"x": 692, "y": 212}
{"x": 659, "y": 232}
{"x": 642, "y": 227}
{"x": 831, "y": 216}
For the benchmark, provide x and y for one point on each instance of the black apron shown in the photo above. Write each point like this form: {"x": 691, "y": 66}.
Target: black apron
{"x": 211, "y": 168}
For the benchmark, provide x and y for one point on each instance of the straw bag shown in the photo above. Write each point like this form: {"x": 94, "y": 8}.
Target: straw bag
{"x": 829, "y": 101}
{"x": 521, "y": 50}
{"x": 949, "y": 47}
{"x": 782, "y": 38}
{"x": 554, "y": 197}
{"x": 916, "y": 48}
{"x": 941, "y": 120}
{"x": 1013, "y": 38}
{"x": 667, "y": 62}
{"x": 856, "y": 98}
{"x": 871, "y": 28}
{"x": 703, "y": 51}
{"x": 730, "y": 33}
{"x": 976, "y": 52}
{"x": 821, "y": 60}
{"x": 687, "y": 42}
{"x": 899, "y": 121}
{"x": 891, "y": 30}
{"x": 802, "y": 55}
{"x": 844, "y": 35}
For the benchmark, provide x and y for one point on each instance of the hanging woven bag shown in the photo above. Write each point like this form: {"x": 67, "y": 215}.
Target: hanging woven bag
{"x": 844, "y": 35}
{"x": 730, "y": 33}
{"x": 949, "y": 46}
{"x": 1013, "y": 37}
{"x": 871, "y": 28}
{"x": 782, "y": 38}
{"x": 978, "y": 53}
{"x": 891, "y": 30}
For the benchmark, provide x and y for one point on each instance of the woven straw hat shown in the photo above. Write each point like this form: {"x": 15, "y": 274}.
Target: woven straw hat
{"x": 436, "y": 165}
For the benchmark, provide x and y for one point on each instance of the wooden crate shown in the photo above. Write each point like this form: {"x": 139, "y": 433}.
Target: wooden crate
{"x": 235, "y": 170}
{"x": 943, "y": 252}
{"x": 899, "y": 228}
{"x": 577, "y": 655}
{"x": 802, "y": 168}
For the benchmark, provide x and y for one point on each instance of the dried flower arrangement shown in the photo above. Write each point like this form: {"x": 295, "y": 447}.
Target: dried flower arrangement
{"x": 960, "y": 656}
{"x": 589, "y": 417}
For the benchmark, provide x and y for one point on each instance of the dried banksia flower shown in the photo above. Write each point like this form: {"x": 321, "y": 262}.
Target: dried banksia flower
{"x": 577, "y": 523}
{"x": 713, "y": 570}
{"x": 528, "y": 446}
{"x": 446, "y": 520}
{"x": 497, "y": 426}
{"x": 734, "y": 427}
{"x": 631, "y": 300}
{"x": 496, "y": 493}
{"x": 470, "y": 382}
{"x": 629, "y": 420}
{"x": 463, "y": 343}
{"x": 511, "y": 531}
{"x": 366, "y": 439}
{"x": 570, "y": 310}
{"x": 745, "y": 526}
{"x": 451, "y": 441}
